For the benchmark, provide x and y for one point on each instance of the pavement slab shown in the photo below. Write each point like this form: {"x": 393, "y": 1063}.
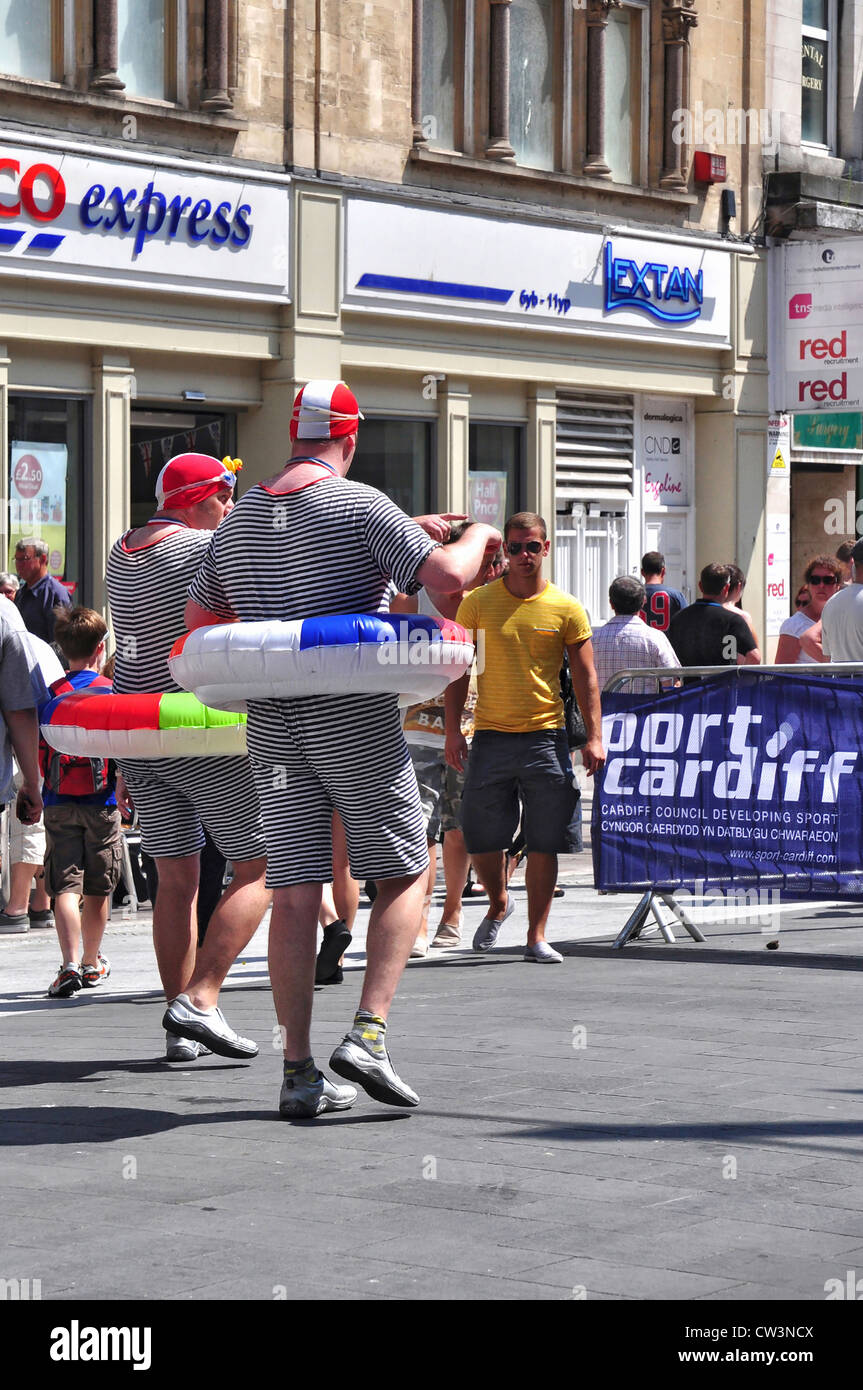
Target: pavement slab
{"x": 669, "y": 1122}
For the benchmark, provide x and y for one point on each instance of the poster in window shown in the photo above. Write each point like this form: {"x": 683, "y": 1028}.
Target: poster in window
{"x": 487, "y": 498}
{"x": 37, "y": 499}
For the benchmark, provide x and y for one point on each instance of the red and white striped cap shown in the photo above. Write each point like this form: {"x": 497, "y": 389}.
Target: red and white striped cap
{"x": 324, "y": 410}
{"x": 190, "y": 478}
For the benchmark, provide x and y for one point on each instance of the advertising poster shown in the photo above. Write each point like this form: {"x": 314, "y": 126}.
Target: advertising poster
{"x": 817, "y": 353}
{"x": 487, "y": 498}
{"x": 740, "y": 780}
{"x": 37, "y": 499}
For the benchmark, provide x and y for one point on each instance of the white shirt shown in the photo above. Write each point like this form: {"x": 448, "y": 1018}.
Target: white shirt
{"x": 842, "y": 625}
{"x": 795, "y": 626}
{"x": 627, "y": 641}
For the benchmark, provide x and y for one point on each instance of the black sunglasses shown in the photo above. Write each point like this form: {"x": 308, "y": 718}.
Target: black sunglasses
{"x": 823, "y": 579}
{"x": 516, "y": 547}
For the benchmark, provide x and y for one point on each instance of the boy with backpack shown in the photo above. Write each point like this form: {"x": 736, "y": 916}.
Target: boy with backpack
{"x": 82, "y": 820}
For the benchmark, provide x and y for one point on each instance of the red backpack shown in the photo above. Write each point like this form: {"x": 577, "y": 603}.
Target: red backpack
{"x": 63, "y": 773}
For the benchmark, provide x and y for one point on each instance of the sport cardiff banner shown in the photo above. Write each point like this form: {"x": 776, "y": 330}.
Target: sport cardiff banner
{"x": 746, "y": 779}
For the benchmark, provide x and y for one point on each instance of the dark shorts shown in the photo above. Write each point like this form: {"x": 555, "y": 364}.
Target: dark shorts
{"x": 84, "y": 852}
{"x": 440, "y": 788}
{"x": 527, "y": 775}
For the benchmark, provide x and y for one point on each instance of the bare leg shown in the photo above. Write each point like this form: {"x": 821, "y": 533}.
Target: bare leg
{"x": 456, "y": 862}
{"x": 491, "y": 872}
{"x": 94, "y": 920}
{"x": 327, "y": 914}
{"x": 392, "y": 931}
{"x": 39, "y": 900}
{"x": 422, "y": 935}
{"x": 233, "y": 924}
{"x": 67, "y": 920}
{"x": 541, "y": 878}
{"x": 346, "y": 890}
{"x": 175, "y": 927}
{"x": 20, "y": 883}
{"x": 293, "y": 938}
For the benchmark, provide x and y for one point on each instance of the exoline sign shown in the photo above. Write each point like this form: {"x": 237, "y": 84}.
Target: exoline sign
{"x": 189, "y": 229}
{"x": 669, "y": 293}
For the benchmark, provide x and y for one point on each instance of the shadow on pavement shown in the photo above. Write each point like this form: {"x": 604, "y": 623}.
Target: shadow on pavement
{"x": 100, "y": 1124}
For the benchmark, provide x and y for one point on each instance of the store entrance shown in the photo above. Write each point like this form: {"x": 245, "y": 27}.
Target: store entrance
{"x": 158, "y": 434}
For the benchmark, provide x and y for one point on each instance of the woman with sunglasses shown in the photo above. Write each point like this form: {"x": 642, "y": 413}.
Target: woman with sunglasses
{"x": 822, "y": 578}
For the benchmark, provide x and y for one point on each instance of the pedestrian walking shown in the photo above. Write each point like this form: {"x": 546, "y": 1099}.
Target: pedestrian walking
{"x": 519, "y": 760}
{"x": 308, "y": 540}
{"x": 149, "y": 572}
{"x": 626, "y": 641}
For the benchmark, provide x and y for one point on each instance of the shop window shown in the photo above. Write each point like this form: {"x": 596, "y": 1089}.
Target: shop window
{"x": 395, "y": 456}
{"x": 29, "y": 37}
{"x": 818, "y": 95}
{"x": 531, "y": 83}
{"x": 157, "y": 435}
{"x": 495, "y": 478}
{"x": 46, "y": 446}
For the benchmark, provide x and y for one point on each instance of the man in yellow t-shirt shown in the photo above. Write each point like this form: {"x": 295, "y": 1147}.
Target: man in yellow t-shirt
{"x": 520, "y": 757}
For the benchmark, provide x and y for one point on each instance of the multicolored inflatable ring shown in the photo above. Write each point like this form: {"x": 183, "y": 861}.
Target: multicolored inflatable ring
{"x": 99, "y": 724}
{"x": 414, "y": 656}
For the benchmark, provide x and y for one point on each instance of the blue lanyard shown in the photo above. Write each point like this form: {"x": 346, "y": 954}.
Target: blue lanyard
{"x": 322, "y": 462}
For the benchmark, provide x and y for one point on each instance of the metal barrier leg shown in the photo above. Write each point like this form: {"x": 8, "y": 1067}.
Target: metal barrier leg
{"x": 634, "y": 923}
{"x": 660, "y": 920}
{"x": 682, "y": 916}
{"x": 128, "y": 876}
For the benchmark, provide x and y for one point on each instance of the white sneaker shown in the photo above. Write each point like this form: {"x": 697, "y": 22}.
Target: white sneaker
{"x": 208, "y": 1026}
{"x": 543, "y": 954}
{"x": 182, "y": 1050}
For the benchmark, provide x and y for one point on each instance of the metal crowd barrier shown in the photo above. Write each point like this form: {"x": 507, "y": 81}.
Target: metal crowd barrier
{"x": 636, "y": 924}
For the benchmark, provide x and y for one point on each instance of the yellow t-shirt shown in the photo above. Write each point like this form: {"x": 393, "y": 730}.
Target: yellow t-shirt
{"x": 520, "y": 644}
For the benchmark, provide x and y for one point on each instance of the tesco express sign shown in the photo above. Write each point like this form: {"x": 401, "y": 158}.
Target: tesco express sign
{"x": 184, "y": 226}
{"x": 118, "y": 207}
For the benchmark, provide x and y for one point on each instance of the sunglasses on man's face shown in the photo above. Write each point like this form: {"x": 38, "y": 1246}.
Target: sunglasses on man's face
{"x": 516, "y": 547}
{"x": 828, "y": 579}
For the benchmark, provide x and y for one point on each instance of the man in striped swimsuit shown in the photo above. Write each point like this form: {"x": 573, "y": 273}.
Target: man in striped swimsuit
{"x": 309, "y": 542}
{"x": 149, "y": 571}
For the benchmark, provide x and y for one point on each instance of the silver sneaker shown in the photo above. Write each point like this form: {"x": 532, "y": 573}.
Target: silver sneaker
{"x": 374, "y": 1072}
{"x": 181, "y": 1050}
{"x": 486, "y": 933}
{"x": 302, "y": 1098}
{"x": 208, "y": 1026}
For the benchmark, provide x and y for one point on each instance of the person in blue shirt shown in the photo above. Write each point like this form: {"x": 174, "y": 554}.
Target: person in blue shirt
{"x": 40, "y": 593}
{"x": 662, "y": 603}
{"x": 82, "y": 820}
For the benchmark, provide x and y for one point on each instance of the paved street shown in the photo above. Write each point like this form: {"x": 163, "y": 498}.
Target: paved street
{"x": 673, "y": 1122}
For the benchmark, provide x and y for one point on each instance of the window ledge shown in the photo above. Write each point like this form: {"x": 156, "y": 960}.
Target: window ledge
{"x": 486, "y": 170}
{"x": 166, "y": 111}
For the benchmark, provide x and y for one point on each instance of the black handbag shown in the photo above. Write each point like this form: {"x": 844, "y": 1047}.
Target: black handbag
{"x": 576, "y": 732}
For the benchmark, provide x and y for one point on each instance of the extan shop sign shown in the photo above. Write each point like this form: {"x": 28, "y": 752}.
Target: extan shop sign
{"x": 184, "y": 227}
{"x": 817, "y": 326}
{"x": 421, "y": 262}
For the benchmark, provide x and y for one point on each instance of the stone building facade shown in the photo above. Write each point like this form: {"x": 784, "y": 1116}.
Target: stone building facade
{"x": 484, "y": 214}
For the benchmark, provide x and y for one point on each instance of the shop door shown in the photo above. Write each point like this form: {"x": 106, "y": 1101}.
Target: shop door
{"x": 590, "y": 551}
{"x": 669, "y": 534}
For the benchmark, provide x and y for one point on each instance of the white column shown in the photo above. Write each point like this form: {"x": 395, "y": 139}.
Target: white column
{"x": 541, "y": 454}
{"x": 452, "y": 446}
{"x": 112, "y": 402}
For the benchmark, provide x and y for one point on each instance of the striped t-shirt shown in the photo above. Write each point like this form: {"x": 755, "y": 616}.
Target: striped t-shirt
{"x": 147, "y": 590}
{"x": 329, "y": 547}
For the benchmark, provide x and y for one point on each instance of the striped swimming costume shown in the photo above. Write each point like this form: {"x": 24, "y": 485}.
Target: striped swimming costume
{"x": 329, "y": 547}
{"x": 174, "y": 797}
